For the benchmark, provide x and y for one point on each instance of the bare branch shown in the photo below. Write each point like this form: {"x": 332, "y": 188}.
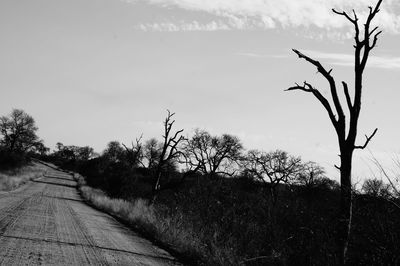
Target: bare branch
{"x": 368, "y": 139}
{"x": 368, "y": 33}
{"x": 354, "y": 21}
{"x": 343, "y": 13}
{"x": 375, "y": 40}
{"x": 332, "y": 85}
{"x": 346, "y": 93}
{"x": 372, "y": 31}
{"x": 309, "y": 88}
{"x": 316, "y": 63}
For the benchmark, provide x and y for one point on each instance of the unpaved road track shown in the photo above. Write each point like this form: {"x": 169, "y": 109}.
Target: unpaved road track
{"x": 47, "y": 223}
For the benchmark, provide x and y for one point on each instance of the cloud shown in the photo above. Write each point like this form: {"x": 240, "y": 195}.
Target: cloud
{"x": 255, "y": 55}
{"x": 183, "y": 26}
{"x": 267, "y": 14}
{"x": 385, "y": 62}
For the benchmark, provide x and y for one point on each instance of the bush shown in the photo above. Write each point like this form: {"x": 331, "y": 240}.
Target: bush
{"x": 10, "y": 160}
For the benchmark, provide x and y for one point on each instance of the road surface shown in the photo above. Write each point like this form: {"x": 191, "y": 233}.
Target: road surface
{"x": 47, "y": 223}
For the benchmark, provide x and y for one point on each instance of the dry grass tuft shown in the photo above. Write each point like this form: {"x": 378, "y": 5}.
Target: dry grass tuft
{"x": 149, "y": 219}
{"x": 12, "y": 179}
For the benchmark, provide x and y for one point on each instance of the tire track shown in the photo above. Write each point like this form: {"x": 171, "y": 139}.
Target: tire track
{"x": 47, "y": 223}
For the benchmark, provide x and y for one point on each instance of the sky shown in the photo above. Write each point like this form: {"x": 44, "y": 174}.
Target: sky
{"x": 93, "y": 71}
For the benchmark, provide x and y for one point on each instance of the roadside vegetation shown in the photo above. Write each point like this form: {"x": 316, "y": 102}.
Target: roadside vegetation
{"x": 14, "y": 178}
{"x": 18, "y": 145}
{"x": 218, "y": 204}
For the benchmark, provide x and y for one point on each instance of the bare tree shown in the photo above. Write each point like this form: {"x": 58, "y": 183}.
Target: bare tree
{"x": 152, "y": 150}
{"x": 310, "y": 175}
{"x": 169, "y": 151}
{"x": 272, "y": 168}
{"x": 212, "y": 155}
{"x": 364, "y": 42}
{"x": 135, "y": 153}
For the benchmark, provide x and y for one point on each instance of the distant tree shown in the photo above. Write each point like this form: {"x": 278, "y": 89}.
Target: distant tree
{"x": 73, "y": 153}
{"x": 114, "y": 152}
{"x": 152, "y": 150}
{"x": 376, "y": 188}
{"x": 135, "y": 153}
{"x": 59, "y": 146}
{"x": 19, "y": 132}
{"x": 392, "y": 177}
{"x": 211, "y": 155}
{"x": 366, "y": 38}
{"x": 84, "y": 153}
{"x": 169, "y": 151}
{"x": 310, "y": 174}
{"x": 272, "y": 168}
{"x": 41, "y": 149}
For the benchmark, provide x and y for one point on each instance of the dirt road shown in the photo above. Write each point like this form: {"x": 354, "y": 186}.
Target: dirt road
{"x": 47, "y": 223}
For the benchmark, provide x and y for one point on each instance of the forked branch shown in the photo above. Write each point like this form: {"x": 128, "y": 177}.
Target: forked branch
{"x": 309, "y": 88}
{"x": 368, "y": 139}
{"x": 332, "y": 85}
{"x": 354, "y": 21}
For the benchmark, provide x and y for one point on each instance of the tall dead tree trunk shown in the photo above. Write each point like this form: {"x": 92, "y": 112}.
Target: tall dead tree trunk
{"x": 169, "y": 151}
{"x": 346, "y": 138}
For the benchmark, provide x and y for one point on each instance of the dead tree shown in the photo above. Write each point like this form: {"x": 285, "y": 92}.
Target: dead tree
{"x": 364, "y": 42}
{"x": 169, "y": 151}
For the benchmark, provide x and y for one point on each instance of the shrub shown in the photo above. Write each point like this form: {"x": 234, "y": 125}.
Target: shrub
{"x": 376, "y": 188}
{"x": 11, "y": 160}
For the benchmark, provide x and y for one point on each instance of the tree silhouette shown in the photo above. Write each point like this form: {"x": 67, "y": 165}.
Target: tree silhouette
{"x": 211, "y": 155}
{"x": 169, "y": 151}
{"x": 152, "y": 150}
{"x": 114, "y": 152}
{"x": 19, "y": 132}
{"x": 364, "y": 42}
{"x": 272, "y": 168}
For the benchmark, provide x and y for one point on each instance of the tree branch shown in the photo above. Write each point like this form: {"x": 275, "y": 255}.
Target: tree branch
{"x": 331, "y": 81}
{"x": 375, "y": 40}
{"x": 368, "y": 139}
{"x": 308, "y": 88}
{"x": 353, "y": 21}
{"x": 346, "y": 93}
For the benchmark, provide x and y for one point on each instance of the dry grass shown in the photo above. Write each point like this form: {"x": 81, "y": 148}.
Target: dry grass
{"x": 172, "y": 232}
{"x": 12, "y": 179}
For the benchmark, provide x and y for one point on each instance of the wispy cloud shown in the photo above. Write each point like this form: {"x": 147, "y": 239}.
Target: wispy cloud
{"x": 255, "y": 55}
{"x": 267, "y": 14}
{"x": 183, "y": 26}
{"x": 385, "y": 62}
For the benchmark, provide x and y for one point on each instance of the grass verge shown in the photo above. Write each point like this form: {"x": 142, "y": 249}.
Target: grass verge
{"x": 12, "y": 179}
{"x": 169, "y": 233}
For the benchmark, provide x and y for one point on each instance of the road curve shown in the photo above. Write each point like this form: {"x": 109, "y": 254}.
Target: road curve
{"x": 47, "y": 223}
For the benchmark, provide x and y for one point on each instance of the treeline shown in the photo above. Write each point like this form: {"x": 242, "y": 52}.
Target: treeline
{"x": 144, "y": 168}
